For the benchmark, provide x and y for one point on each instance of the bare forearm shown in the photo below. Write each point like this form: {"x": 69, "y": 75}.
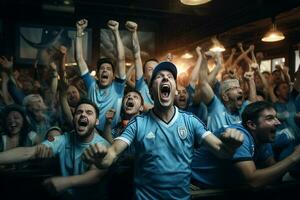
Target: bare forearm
{"x": 79, "y": 54}
{"x": 252, "y": 91}
{"x": 270, "y": 174}
{"x": 16, "y": 155}
{"x": 137, "y": 56}
{"x": 120, "y": 55}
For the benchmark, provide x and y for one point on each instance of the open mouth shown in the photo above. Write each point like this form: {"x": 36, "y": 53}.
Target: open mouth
{"x": 165, "y": 91}
{"x": 240, "y": 98}
{"x": 83, "y": 121}
{"x": 104, "y": 76}
{"x": 129, "y": 104}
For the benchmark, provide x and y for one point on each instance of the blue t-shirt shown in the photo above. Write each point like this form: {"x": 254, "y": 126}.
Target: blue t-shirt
{"x": 142, "y": 87}
{"x": 212, "y": 172}
{"x": 105, "y": 99}
{"x": 163, "y": 153}
{"x": 219, "y": 116}
{"x": 69, "y": 150}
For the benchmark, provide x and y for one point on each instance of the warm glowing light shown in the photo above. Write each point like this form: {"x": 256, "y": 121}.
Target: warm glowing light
{"x": 187, "y": 56}
{"x": 217, "y": 46}
{"x": 70, "y": 64}
{"x": 93, "y": 73}
{"x": 128, "y": 64}
{"x": 273, "y": 35}
{"x": 194, "y": 2}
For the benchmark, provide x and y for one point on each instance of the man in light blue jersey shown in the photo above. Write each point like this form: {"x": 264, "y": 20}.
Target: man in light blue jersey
{"x": 253, "y": 163}
{"x": 108, "y": 92}
{"x": 163, "y": 139}
{"x": 225, "y": 111}
{"x": 76, "y": 174}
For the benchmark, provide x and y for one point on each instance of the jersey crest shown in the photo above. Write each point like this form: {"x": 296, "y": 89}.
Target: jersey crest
{"x": 182, "y": 132}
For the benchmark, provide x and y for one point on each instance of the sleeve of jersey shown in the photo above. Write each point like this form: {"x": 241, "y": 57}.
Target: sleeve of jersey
{"x": 88, "y": 79}
{"x": 119, "y": 85}
{"x": 139, "y": 83}
{"x": 128, "y": 134}
{"x": 55, "y": 144}
{"x": 244, "y": 152}
{"x": 214, "y": 105}
{"x": 200, "y": 129}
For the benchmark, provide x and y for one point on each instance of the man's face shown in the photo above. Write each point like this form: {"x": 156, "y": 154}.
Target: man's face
{"x": 266, "y": 126}
{"x": 85, "y": 120}
{"x": 181, "y": 99}
{"x": 283, "y": 91}
{"x": 163, "y": 89}
{"x": 105, "y": 74}
{"x": 73, "y": 96}
{"x": 235, "y": 97}
{"x": 132, "y": 103}
{"x": 14, "y": 122}
{"x": 148, "y": 70}
{"x": 276, "y": 75}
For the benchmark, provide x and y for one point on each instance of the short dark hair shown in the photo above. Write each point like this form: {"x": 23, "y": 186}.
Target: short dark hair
{"x": 149, "y": 60}
{"x": 87, "y": 101}
{"x": 136, "y": 91}
{"x": 105, "y": 60}
{"x": 253, "y": 110}
{"x": 277, "y": 85}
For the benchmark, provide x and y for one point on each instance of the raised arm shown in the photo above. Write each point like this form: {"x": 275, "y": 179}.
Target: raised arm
{"x": 260, "y": 177}
{"x": 213, "y": 74}
{"x": 195, "y": 73}
{"x": 120, "y": 68}
{"x": 249, "y": 76}
{"x": 63, "y": 85}
{"x": 132, "y": 27}
{"x": 245, "y": 56}
{"x": 81, "y": 25}
{"x": 109, "y": 115}
{"x": 6, "y": 96}
{"x": 206, "y": 91}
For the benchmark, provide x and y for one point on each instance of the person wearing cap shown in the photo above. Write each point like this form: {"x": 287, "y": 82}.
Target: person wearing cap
{"x": 108, "y": 92}
{"x": 225, "y": 111}
{"x": 163, "y": 138}
{"x": 76, "y": 175}
{"x": 253, "y": 163}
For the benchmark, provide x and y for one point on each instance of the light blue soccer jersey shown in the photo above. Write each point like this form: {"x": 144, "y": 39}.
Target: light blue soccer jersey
{"x": 69, "y": 150}
{"x": 142, "y": 87}
{"x": 163, "y": 153}
{"x": 219, "y": 116}
{"x": 105, "y": 99}
{"x": 70, "y": 155}
{"x": 209, "y": 171}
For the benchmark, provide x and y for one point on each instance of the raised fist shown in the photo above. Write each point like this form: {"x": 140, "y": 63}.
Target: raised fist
{"x": 131, "y": 26}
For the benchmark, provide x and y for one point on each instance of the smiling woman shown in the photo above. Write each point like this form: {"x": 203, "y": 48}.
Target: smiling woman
{"x": 17, "y": 131}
